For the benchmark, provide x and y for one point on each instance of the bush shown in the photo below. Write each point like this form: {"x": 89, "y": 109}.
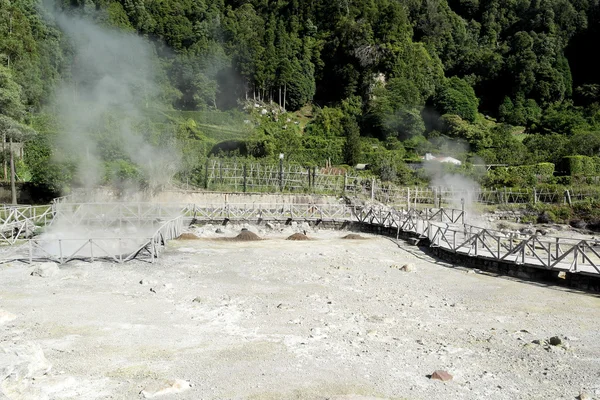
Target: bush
{"x": 523, "y": 175}
{"x": 580, "y": 166}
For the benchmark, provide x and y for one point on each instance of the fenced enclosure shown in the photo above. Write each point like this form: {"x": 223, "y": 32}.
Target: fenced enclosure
{"x": 255, "y": 177}
{"x": 283, "y": 177}
{"x": 120, "y": 232}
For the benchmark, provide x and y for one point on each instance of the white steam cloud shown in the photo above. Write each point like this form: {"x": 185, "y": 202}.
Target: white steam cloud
{"x": 104, "y": 105}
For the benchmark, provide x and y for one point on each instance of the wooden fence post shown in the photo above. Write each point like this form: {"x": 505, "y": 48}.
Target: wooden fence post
{"x": 245, "y": 173}
{"x": 372, "y": 188}
{"x": 206, "y": 174}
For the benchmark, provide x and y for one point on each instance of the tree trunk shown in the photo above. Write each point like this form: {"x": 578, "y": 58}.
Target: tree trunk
{"x": 284, "y": 93}
{"x": 279, "y": 96}
{"x": 13, "y": 189}
{"x": 5, "y": 177}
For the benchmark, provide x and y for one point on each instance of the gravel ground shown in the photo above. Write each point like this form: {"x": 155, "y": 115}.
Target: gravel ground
{"x": 277, "y": 319}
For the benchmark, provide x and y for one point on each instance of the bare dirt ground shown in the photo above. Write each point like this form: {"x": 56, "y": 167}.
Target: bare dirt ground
{"x": 280, "y": 319}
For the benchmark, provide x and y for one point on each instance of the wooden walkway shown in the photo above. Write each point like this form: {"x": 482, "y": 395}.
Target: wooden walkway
{"x": 444, "y": 228}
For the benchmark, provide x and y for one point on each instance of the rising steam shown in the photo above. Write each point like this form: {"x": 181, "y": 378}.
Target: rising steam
{"x": 105, "y": 105}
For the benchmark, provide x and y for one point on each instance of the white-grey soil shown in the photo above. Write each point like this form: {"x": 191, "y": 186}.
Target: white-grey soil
{"x": 278, "y": 319}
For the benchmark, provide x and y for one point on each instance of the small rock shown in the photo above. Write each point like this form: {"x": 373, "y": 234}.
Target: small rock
{"x": 166, "y": 387}
{"x": 408, "y": 267}
{"x": 5, "y": 317}
{"x": 46, "y": 270}
{"x": 21, "y": 363}
{"x": 269, "y": 225}
{"x": 555, "y": 341}
{"x": 197, "y": 300}
{"x": 441, "y": 375}
{"x": 562, "y": 275}
{"x": 528, "y": 231}
{"x": 219, "y": 230}
{"x": 584, "y": 396}
{"x": 144, "y": 282}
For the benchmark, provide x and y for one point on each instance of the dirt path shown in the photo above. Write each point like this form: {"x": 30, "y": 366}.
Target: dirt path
{"x": 281, "y": 319}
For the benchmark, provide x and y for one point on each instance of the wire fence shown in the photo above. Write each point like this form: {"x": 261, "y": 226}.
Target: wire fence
{"x": 242, "y": 176}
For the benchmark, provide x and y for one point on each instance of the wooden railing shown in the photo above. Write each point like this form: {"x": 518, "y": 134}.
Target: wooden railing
{"x": 444, "y": 228}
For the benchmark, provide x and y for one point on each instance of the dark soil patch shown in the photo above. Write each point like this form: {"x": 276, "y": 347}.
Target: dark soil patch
{"x": 187, "y": 236}
{"x": 354, "y": 236}
{"x": 246, "y": 236}
{"x": 298, "y": 236}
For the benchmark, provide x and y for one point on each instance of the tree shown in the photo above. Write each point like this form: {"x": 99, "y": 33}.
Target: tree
{"x": 11, "y": 112}
{"x": 352, "y": 143}
{"x": 457, "y": 97}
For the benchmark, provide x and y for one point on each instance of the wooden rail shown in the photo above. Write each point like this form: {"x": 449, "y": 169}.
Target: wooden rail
{"x": 444, "y": 228}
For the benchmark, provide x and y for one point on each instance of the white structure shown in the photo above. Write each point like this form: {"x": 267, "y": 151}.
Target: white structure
{"x": 431, "y": 157}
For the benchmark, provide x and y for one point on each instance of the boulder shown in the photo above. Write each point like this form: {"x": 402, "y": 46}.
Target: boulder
{"x": 441, "y": 375}
{"x": 5, "y": 317}
{"x": 21, "y": 364}
{"x": 555, "y": 341}
{"x": 410, "y": 267}
{"x": 45, "y": 270}
{"x": 163, "y": 388}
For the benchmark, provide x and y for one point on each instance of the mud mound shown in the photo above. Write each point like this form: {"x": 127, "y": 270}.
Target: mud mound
{"x": 353, "y": 236}
{"x": 298, "y": 236}
{"x": 246, "y": 236}
{"x": 187, "y": 236}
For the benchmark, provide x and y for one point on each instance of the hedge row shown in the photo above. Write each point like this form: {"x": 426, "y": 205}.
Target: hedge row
{"x": 580, "y": 166}
{"x": 523, "y": 175}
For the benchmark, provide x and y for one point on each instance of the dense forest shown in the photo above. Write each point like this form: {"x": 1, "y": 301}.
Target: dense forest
{"x": 344, "y": 82}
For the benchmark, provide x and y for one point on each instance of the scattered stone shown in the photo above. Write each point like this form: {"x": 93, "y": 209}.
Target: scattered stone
{"x": 584, "y": 396}
{"x": 441, "y": 375}
{"x": 269, "y": 225}
{"x": 46, "y": 270}
{"x": 219, "y": 230}
{"x": 197, "y": 300}
{"x": 528, "y": 231}
{"x": 544, "y": 218}
{"x": 244, "y": 229}
{"x": 562, "y": 275}
{"x": 410, "y": 267}
{"x": 165, "y": 387}
{"x": 162, "y": 288}
{"x": 577, "y": 223}
{"x": 555, "y": 341}
{"x": 144, "y": 282}
{"x": 20, "y": 364}
{"x": 5, "y": 316}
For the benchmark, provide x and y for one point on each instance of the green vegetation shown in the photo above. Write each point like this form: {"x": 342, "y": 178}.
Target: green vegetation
{"x": 379, "y": 82}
